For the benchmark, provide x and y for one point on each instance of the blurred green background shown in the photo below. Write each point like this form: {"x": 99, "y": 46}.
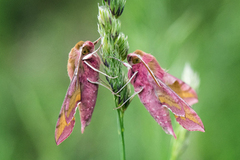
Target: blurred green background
{"x": 36, "y": 37}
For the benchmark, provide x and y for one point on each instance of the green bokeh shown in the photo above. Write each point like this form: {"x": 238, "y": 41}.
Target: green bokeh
{"x": 36, "y": 37}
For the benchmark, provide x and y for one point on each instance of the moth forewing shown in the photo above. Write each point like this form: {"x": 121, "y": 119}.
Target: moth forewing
{"x": 65, "y": 124}
{"x": 63, "y": 130}
{"x": 74, "y": 92}
{"x": 66, "y": 118}
{"x": 73, "y": 97}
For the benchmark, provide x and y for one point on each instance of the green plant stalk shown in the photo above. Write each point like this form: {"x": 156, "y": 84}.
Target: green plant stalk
{"x": 180, "y": 144}
{"x": 121, "y": 134}
{"x": 114, "y": 44}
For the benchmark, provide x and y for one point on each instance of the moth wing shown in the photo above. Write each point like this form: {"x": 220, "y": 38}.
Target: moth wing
{"x": 170, "y": 99}
{"x": 72, "y": 98}
{"x": 63, "y": 129}
{"x": 73, "y": 95}
{"x": 181, "y": 88}
{"x": 66, "y": 118}
{"x": 191, "y": 121}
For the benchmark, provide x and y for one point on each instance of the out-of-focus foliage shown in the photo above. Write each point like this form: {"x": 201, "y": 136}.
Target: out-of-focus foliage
{"x": 36, "y": 36}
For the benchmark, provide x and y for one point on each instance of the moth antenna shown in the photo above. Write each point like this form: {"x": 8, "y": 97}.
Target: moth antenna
{"x": 103, "y": 86}
{"x": 127, "y": 82}
{"x": 125, "y": 64}
{"x": 99, "y": 71}
{"x": 95, "y": 42}
{"x": 134, "y": 94}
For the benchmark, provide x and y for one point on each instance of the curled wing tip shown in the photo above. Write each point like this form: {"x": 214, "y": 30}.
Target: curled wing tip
{"x": 57, "y": 141}
{"x": 63, "y": 130}
{"x": 202, "y": 129}
{"x": 82, "y": 129}
{"x": 171, "y": 132}
{"x": 64, "y": 135}
{"x": 174, "y": 135}
{"x": 201, "y": 126}
{"x": 84, "y": 124}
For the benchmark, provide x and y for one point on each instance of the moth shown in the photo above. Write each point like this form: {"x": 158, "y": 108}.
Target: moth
{"x": 160, "y": 92}
{"x": 83, "y": 71}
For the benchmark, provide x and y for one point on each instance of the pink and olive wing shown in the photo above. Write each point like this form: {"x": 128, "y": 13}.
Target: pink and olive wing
{"x": 66, "y": 119}
{"x": 169, "y": 98}
{"x": 73, "y": 97}
{"x": 191, "y": 121}
{"x": 63, "y": 129}
{"x": 181, "y": 88}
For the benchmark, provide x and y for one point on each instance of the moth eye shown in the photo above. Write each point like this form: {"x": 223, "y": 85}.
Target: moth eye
{"x": 85, "y": 51}
{"x": 135, "y": 60}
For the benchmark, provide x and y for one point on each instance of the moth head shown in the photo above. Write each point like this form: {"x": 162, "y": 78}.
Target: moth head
{"x": 135, "y": 57}
{"x": 87, "y": 47}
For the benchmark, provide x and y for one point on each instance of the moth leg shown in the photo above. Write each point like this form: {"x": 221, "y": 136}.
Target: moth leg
{"x": 99, "y": 71}
{"x": 124, "y": 63}
{"x": 103, "y": 86}
{"x": 127, "y": 82}
{"x": 130, "y": 98}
